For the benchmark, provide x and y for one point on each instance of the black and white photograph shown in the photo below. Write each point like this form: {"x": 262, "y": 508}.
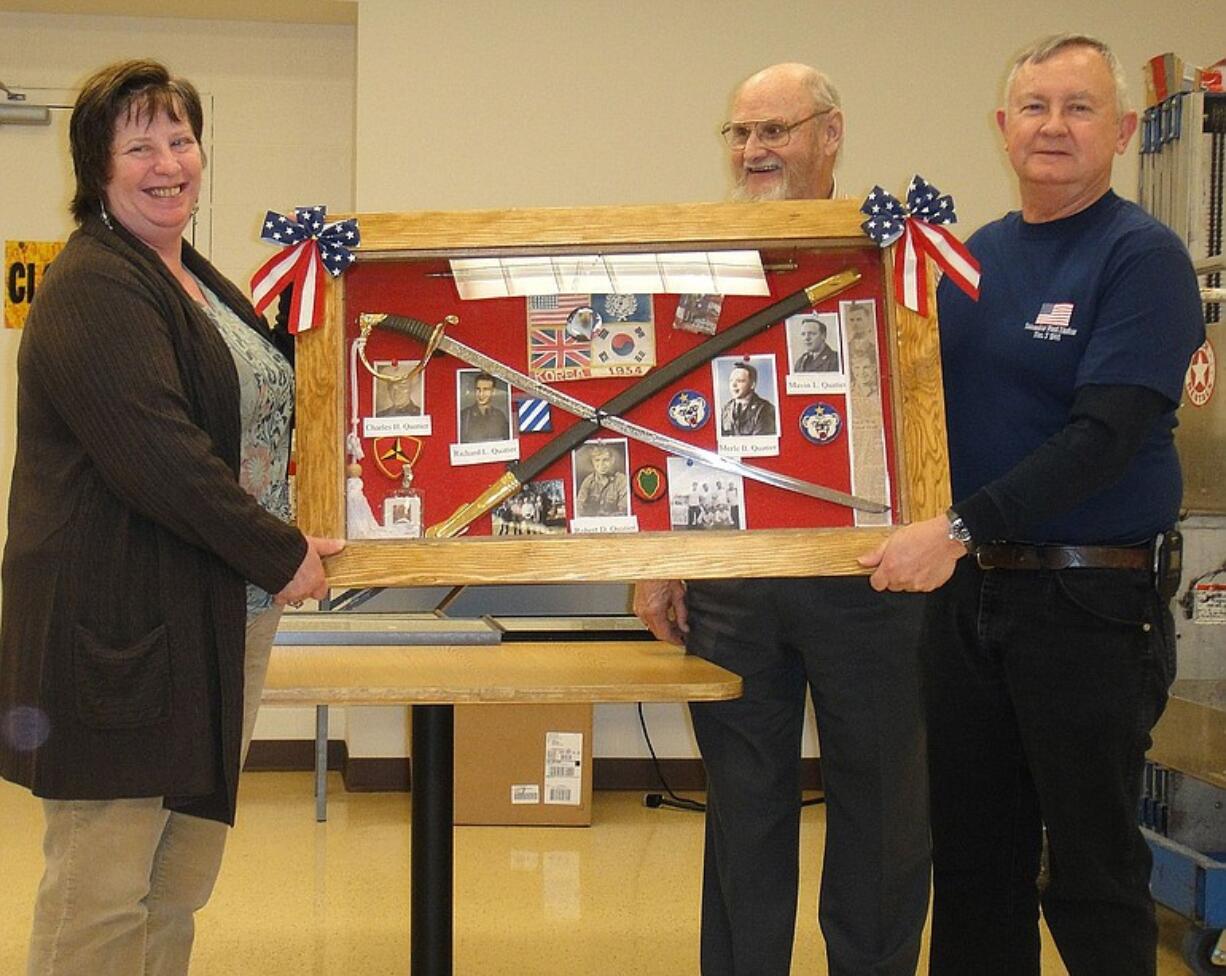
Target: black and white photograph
{"x": 602, "y": 479}
{"x": 484, "y": 407}
{"x": 859, "y": 325}
{"x": 816, "y": 363}
{"x": 402, "y": 396}
{"x": 539, "y": 509}
{"x": 747, "y": 404}
{"x": 702, "y": 497}
{"x": 813, "y": 343}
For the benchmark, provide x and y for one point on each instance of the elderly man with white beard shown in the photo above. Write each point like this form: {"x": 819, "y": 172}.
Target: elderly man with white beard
{"x": 855, "y": 650}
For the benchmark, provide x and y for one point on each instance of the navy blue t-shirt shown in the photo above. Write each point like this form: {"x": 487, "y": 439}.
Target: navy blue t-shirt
{"x": 1107, "y": 296}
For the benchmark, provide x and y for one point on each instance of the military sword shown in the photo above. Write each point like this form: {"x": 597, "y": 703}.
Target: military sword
{"x": 520, "y": 473}
{"x": 426, "y": 333}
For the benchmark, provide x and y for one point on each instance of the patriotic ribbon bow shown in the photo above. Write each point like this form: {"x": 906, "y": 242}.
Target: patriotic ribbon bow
{"x": 311, "y": 246}
{"x": 917, "y": 228}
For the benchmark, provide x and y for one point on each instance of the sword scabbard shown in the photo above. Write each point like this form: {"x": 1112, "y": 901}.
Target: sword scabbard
{"x": 500, "y": 490}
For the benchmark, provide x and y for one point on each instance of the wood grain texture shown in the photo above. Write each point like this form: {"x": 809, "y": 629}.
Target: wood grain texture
{"x": 599, "y": 671}
{"x": 919, "y": 403}
{"x": 831, "y": 222}
{"x": 632, "y": 556}
{"x": 319, "y": 438}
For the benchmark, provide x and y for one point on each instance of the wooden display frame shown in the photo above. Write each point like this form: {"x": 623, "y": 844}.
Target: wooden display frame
{"x": 912, "y": 356}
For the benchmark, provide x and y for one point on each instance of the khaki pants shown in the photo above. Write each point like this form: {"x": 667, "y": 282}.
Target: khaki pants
{"x": 124, "y": 878}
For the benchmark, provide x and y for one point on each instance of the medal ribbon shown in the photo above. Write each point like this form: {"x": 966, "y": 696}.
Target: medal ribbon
{"x": 918, "y": 230}
{"x": 311, "y": 247}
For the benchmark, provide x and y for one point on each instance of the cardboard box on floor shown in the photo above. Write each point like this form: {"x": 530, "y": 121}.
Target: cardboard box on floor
{"x": 523, "y": 764}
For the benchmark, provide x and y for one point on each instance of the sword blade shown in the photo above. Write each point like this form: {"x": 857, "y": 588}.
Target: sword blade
{"x": 585, "y": 411}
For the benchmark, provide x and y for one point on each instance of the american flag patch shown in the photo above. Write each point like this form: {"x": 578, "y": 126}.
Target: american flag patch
{"x": 1055, "y": 313}
{"x": 554, "y": 309}
{"x": 534, "y": 416}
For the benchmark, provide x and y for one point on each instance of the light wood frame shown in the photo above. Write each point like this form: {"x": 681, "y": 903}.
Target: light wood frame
{"x": 921, "y": 463}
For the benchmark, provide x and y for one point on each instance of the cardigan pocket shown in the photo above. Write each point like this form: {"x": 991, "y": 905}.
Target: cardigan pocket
{"x": 122, "y": 688}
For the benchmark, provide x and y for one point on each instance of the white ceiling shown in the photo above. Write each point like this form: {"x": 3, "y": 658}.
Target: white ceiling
{"x": 281, "y": 11}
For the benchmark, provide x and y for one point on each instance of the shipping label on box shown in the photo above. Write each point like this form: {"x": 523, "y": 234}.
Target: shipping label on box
{"x": 525, "y": 793}
{"x": 564, "y": 768}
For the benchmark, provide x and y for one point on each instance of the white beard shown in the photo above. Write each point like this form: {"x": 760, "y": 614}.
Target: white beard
{"x": 740, "y": 193}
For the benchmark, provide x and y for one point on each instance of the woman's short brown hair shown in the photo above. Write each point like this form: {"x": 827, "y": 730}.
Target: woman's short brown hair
{"x": 132, "y": 89}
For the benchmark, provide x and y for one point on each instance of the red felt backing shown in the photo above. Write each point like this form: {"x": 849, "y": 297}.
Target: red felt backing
{"x": 497, "y": 327}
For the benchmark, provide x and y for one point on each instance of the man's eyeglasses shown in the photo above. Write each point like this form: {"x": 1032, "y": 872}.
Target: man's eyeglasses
{"x": 771, "y": 133}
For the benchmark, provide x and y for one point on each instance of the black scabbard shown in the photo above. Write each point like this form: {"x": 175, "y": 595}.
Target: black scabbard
{"x": 523, "y": 471}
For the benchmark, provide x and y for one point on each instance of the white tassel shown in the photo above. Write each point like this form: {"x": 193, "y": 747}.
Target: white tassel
{"x": 360, "y": 521}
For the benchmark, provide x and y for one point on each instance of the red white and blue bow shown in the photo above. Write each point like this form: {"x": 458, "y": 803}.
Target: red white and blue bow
{"x": 311, "y": 247}
{"x": 917, "y": 228}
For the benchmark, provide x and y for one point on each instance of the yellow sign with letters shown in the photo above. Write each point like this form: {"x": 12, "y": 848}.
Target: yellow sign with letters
{"x": 25, "y": 264}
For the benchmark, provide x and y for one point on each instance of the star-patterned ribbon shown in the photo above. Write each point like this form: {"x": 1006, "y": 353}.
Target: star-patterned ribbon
{"x": 917, "y": 229}
{"x": 311, "y": 246}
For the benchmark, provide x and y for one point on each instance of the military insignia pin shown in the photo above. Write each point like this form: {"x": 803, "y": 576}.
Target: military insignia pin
{"x": 689, "y": 410}
{"x": 648, "y": 483}
{"x": 820, "y": 423}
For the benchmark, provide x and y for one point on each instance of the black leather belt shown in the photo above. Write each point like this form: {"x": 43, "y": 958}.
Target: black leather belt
{"x": 1009, "y": 556}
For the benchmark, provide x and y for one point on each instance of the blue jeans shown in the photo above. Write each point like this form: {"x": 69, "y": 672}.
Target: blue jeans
{"x": 1040, "y": 690}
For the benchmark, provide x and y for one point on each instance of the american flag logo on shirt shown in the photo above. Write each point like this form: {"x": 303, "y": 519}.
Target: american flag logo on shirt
{"x": 1055, "y": 313}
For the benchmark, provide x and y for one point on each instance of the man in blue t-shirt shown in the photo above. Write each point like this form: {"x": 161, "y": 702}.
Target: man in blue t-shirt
{"x": 1048, "y": 656}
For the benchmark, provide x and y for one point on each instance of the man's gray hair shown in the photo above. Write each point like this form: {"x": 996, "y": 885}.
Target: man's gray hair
{"x": 825, "y": 95}
{"x": 1048, "y": 47}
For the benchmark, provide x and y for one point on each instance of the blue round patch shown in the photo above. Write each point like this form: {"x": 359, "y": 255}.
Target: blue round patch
{"x": 689, "y": 410}
{"x": 820, "y": 423}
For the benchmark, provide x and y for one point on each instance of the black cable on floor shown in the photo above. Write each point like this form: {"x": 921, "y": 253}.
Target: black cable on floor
{"x": 670, "y": 799}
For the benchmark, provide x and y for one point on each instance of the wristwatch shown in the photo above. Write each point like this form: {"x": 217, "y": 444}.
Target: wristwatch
{"x": 958, "y": 531}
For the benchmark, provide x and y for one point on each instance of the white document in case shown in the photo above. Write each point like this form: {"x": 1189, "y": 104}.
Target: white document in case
{"x": 677, "y": 273}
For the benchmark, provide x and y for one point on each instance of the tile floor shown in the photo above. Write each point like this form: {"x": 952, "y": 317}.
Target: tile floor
{"x": 298, "y": 898}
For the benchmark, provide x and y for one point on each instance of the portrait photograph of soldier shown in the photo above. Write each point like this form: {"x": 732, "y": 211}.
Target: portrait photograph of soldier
{"x": 813, "y": 343}
{"x": 602, "y": 479}
{"x": 745, "y": 392}
{"x": 859, "y": 323}
{"x": 701, "y": 497}
{"x": 484, "y": 407}
{"x": 399, "y": 394}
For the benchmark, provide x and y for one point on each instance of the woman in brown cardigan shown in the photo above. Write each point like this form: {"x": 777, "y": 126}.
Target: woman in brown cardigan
{"x": 149, "y": 549}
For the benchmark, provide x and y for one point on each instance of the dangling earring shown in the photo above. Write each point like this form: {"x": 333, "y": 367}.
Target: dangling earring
{"x": 106, "y": 217}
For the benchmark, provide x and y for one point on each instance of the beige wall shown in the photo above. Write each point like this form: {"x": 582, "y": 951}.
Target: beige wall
{"x": 283, "y": 98}
{"x": 550, "y": 103}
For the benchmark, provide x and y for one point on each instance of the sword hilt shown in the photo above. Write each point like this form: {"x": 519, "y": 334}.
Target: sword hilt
{"x": 416, "y": 328}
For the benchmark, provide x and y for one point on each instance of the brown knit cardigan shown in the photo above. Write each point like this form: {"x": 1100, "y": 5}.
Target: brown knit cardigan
{"x": 129, "y": 538}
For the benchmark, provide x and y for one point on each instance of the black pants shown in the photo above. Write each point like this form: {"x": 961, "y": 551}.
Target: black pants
{"x": 1041, "y": 689}
{"x": 856, "y": 651}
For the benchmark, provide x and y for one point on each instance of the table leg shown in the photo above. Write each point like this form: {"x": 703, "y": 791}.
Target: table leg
{"x": 321, "y": 763}
{"x": 431, "y": 854}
